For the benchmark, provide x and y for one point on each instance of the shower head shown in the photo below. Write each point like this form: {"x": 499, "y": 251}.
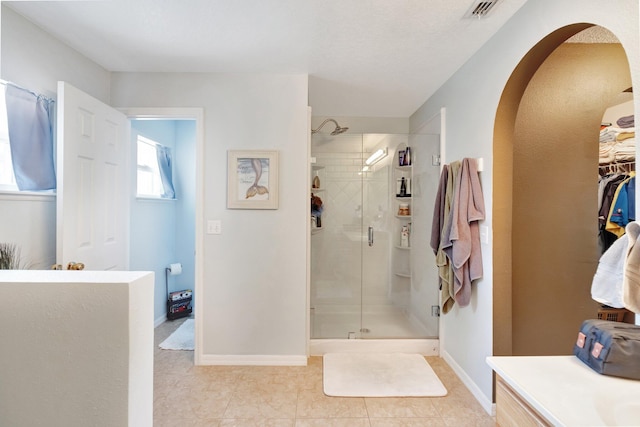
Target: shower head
{"x": 338, "y": 130}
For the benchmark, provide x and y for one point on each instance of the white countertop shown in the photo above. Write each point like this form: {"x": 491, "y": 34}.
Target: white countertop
{"x": 569, "y": 393}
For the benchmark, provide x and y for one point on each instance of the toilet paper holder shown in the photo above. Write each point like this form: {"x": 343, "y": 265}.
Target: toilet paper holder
{"x": 178, "y": 303}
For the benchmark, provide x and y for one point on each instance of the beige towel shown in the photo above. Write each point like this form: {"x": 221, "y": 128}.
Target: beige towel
{"x": 445, "y": 268}
{"x": 631, "y": 278}
{"x": 463, "y": 240}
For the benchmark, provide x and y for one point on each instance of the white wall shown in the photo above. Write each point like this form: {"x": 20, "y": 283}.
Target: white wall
{"x": 29, "y": 222}
{"x": 471, "y": 98}
{"x": 34, "y": 59}
{"x": 254, "y": 272}
{"x": 185, "y": 185}
{"x": 253, "y": 298}
{"x": 77, "y": 348}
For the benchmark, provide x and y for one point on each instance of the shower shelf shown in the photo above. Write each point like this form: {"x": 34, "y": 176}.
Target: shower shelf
{"x": 402, "y": 274}
{"x": 404, "y": 248}
{"x": 403, "y": 216}
{"x": 316, "y": 230}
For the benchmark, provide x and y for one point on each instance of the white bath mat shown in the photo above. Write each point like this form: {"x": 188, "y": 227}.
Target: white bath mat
{"x": 380, "y": 375}
{"x": 182, "y": 338}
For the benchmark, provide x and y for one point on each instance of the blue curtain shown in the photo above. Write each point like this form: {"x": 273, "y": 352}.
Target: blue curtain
{"x": 165, "y": 163}
{"x": 30, "y": 139}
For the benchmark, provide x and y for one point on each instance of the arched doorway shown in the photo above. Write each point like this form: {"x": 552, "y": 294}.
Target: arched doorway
{"x": 545, "y": 191}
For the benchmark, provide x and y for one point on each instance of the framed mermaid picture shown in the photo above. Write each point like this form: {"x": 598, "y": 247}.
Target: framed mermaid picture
{"x": 252, "y": 179}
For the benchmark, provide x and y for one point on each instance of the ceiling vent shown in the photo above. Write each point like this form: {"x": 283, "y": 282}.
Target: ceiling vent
{"x": 480, "y": 9}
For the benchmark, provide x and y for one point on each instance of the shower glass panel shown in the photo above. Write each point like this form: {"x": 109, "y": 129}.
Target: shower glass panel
{"x": 356, "y": 288}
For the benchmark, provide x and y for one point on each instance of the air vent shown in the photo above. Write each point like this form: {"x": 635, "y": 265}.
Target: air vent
{"x": 480, "y": 9}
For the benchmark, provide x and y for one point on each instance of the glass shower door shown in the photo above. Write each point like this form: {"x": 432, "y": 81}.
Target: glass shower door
{"x": 336, "y": 245}
{"x": 364, "y": 283}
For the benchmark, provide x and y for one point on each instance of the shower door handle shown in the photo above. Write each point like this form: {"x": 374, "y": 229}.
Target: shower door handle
{"x": 370, "y": 236}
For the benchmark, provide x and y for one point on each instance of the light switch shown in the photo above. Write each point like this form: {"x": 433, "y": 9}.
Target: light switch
{"x": 214, "y": 226}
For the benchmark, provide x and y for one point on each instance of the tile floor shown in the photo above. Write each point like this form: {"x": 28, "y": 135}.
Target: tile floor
{"x": 274, "y": 396}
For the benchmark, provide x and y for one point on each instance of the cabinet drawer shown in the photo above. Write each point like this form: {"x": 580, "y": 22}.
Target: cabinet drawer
{"x": 513, "y": 411}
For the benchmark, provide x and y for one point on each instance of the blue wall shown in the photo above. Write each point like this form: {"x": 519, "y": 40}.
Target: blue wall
{"x": 163, "y": 231}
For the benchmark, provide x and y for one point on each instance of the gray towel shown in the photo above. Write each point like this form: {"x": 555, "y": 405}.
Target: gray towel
{"x": 626, "y": 121}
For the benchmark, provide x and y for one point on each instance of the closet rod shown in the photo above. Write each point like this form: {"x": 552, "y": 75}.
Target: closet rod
{"x": 39, "y": 95}
{"x": 618, "y": 167}
{"x": 621, "y": 163}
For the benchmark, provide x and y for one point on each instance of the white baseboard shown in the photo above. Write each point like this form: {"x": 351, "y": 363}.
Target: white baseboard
{"x": 160, "y": 320}
{"x": 487, "y": 404}
{"x": 253, "y": 360}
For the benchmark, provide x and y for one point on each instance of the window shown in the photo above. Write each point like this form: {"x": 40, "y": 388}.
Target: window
{"x": 27, "y": 162}
{"x": 7, "y": 178}
{"x": 154, "y": 179}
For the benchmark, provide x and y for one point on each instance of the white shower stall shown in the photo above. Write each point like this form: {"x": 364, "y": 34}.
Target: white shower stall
{"x": 366, "y": 283}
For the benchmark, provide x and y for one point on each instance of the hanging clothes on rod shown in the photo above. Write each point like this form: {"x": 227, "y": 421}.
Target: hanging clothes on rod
{"x": 455, "y": 234}
{"x": 616, "y": 186}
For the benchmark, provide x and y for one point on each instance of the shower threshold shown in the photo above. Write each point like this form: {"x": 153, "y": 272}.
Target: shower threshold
{"x": 424, "y": 346}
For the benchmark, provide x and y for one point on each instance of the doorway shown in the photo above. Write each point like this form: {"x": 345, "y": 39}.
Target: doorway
{"x": 165, "y": 232}
{"x": 545, "y": 191}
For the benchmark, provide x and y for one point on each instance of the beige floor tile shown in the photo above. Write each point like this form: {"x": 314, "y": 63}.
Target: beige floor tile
{"x": 274, "y": 422}
{"x": 333, "y": 422}
{"x": 312, "y": 404}
{"x": 262, "y": 405}
{"x": 279, "y": 396}
{"x": 456, "y": 407}
{"x": 484, "y": 421}
{"x": 407, "y": 422}
{"x": 400, "y": 407}
{"x": 173, "y": 422}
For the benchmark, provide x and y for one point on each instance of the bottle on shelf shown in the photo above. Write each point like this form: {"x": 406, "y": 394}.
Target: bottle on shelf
{"x": 404, "y": 236}
{"x": 407, "y": 156}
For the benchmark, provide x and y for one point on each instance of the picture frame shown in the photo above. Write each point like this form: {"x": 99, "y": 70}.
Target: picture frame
{"x": 252, "y": 179}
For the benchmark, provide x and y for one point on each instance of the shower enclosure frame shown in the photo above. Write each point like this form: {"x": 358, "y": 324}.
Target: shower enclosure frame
{"x": 424, "y": 345}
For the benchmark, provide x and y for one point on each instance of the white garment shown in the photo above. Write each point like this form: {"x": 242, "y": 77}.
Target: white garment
{"x": 606, "y": 287}
{"x": 631, "y": 282}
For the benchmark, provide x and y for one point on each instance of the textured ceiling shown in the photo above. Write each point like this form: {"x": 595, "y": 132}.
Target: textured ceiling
{"x": 367, "y": 58}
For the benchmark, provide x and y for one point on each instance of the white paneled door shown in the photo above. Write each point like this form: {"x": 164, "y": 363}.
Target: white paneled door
{"x": 93, "y": 182}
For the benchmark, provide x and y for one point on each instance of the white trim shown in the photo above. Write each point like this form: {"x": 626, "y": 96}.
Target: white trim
{"x": 160, "y": 320}
{"x": 488, "y": 406}
{"x": 310, "y": 163}
{"x": 197, "y": 114}
{"x": 253, "y": 360}
{"x": 425, "y": 347}
{"x": 153, "y": 199}
{"x": 27, "y": 196}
